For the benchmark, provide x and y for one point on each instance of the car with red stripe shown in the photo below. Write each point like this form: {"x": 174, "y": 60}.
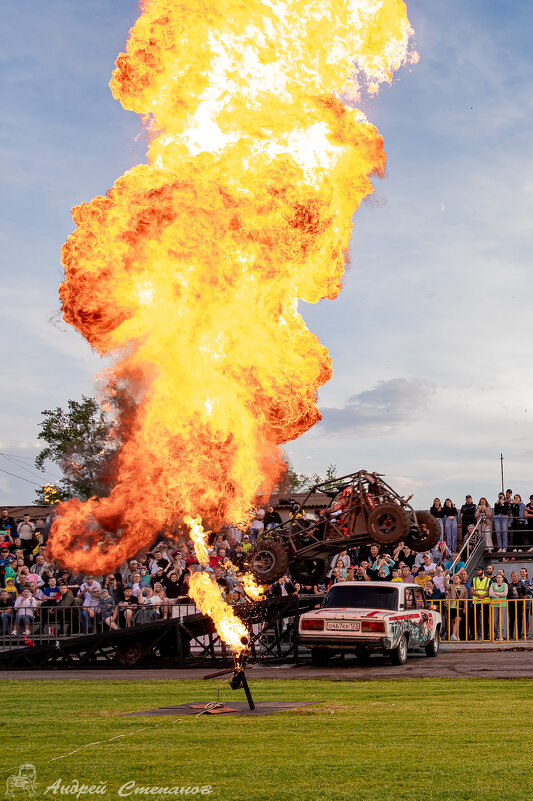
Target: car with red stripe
{"x": 368, "y": 616}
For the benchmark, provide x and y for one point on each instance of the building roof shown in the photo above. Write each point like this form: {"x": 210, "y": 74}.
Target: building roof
{"x": 35, "y": 512}
{"x": 316, "y": 499}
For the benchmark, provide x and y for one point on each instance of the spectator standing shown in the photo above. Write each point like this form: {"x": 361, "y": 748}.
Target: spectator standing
{"x": 498, "y": 603}
{"x": 528, "y": 514}
{"x": 468, "y": 515}
{"x": 480, "y": 596}
{"x": 516, "y": 594}
{"x": 502, "y": 511}
{"x": 450, "y": 524}
{"x": 7, "y": 525}
{"x": 26, "y": 529}
{"x": 518, "y": 521}
{"x": 457, "y": 596}
{"x": 437, "y": 512}
{"x": 484, "y": 515}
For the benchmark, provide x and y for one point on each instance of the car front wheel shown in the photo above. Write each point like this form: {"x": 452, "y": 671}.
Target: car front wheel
{"x": 398, "y": 655}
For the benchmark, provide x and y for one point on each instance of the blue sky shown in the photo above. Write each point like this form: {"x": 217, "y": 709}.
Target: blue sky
{"x": 430, "y": 337}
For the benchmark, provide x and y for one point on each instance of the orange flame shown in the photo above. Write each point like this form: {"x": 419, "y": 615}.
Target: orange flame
{"x": 198, "y": 536}
{"x": 207, "y": 597}
{"x": 253, "y": 590}
{"x": 190, "y": 269}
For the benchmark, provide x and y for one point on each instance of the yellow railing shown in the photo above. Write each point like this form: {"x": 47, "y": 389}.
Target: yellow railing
{"x": 463, "y": 620}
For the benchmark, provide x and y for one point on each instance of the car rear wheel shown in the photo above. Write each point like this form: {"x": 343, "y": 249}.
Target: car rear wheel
{"x": 388, "y": 523}
{"x": 432, "y": 648}
{"x": 320, "y": 657}
{"x": 398, "y": 655}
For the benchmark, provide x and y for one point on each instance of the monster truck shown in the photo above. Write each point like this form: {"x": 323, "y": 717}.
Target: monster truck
{"x": 362, "y": 509}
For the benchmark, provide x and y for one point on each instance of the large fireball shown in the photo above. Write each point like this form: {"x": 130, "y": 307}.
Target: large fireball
{"x": 189, "y": 270}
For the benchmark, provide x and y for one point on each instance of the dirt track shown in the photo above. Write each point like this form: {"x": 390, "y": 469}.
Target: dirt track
{"x": 473, "y": 663}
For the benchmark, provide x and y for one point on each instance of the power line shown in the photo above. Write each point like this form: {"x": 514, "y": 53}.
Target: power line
{"x": 21, "y": 478}
{"x": 28, "y": 470}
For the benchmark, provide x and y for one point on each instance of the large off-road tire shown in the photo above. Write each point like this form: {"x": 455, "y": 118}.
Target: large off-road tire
{"x": 267, "y": 560}
{"x": 388, "y": 523}
{"x": 428, "y": 536}
{"x": 398, "y": 655}
{"x": 320, "y": 657}
{"x": 308, "y": 571}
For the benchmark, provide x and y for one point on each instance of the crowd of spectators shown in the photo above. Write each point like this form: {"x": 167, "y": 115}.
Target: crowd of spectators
{"x": 506, "y": 524}
{"x": 37, "y": 594}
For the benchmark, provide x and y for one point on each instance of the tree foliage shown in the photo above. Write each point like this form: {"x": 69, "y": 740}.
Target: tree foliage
{"x": 300, "y": 482}
{"x": 79, "y": 441}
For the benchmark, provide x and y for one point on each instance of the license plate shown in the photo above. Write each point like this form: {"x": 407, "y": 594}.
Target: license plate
{"x": 343, "y": 625}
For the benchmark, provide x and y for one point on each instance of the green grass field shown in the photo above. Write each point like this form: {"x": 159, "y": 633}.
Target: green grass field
{"x": 408, "y": 739}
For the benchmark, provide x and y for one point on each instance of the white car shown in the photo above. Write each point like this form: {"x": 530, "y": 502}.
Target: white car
{"x": 366, "y": 616}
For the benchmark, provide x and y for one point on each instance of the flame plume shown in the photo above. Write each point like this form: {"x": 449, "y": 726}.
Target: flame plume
{"x": 207, "y": 595}
{"x": 190, "y": 269}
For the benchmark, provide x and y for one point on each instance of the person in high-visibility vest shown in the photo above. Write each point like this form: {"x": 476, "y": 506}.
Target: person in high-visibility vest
{"x": 480, "y": 596}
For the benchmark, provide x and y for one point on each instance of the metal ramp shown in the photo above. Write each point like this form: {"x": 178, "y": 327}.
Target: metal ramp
{"x": 189, "y": 640}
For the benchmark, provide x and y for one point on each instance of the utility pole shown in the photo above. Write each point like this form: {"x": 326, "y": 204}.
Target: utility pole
{"x": 501, "y": 468}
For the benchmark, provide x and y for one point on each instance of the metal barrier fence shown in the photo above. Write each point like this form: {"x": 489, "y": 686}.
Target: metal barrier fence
{"x": 464, "y": 620}
{"x": 50, "y": 623}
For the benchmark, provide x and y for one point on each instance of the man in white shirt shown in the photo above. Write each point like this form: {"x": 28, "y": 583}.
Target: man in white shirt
{"x": 85, "y": 590}
{"x": 25, "y": 529}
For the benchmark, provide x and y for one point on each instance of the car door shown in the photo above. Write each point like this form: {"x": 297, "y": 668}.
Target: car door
{"x": 422, "y": 619}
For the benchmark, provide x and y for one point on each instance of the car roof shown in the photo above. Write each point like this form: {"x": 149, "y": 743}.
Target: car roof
{"x": 397, "y": 584}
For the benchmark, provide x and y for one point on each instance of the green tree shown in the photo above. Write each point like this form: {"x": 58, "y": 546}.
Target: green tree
{"x": 300, "y": 482}
{"x": 80, "y": 442}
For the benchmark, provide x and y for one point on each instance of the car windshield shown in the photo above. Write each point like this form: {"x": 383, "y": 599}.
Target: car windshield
{"x": 363, "y": 596}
